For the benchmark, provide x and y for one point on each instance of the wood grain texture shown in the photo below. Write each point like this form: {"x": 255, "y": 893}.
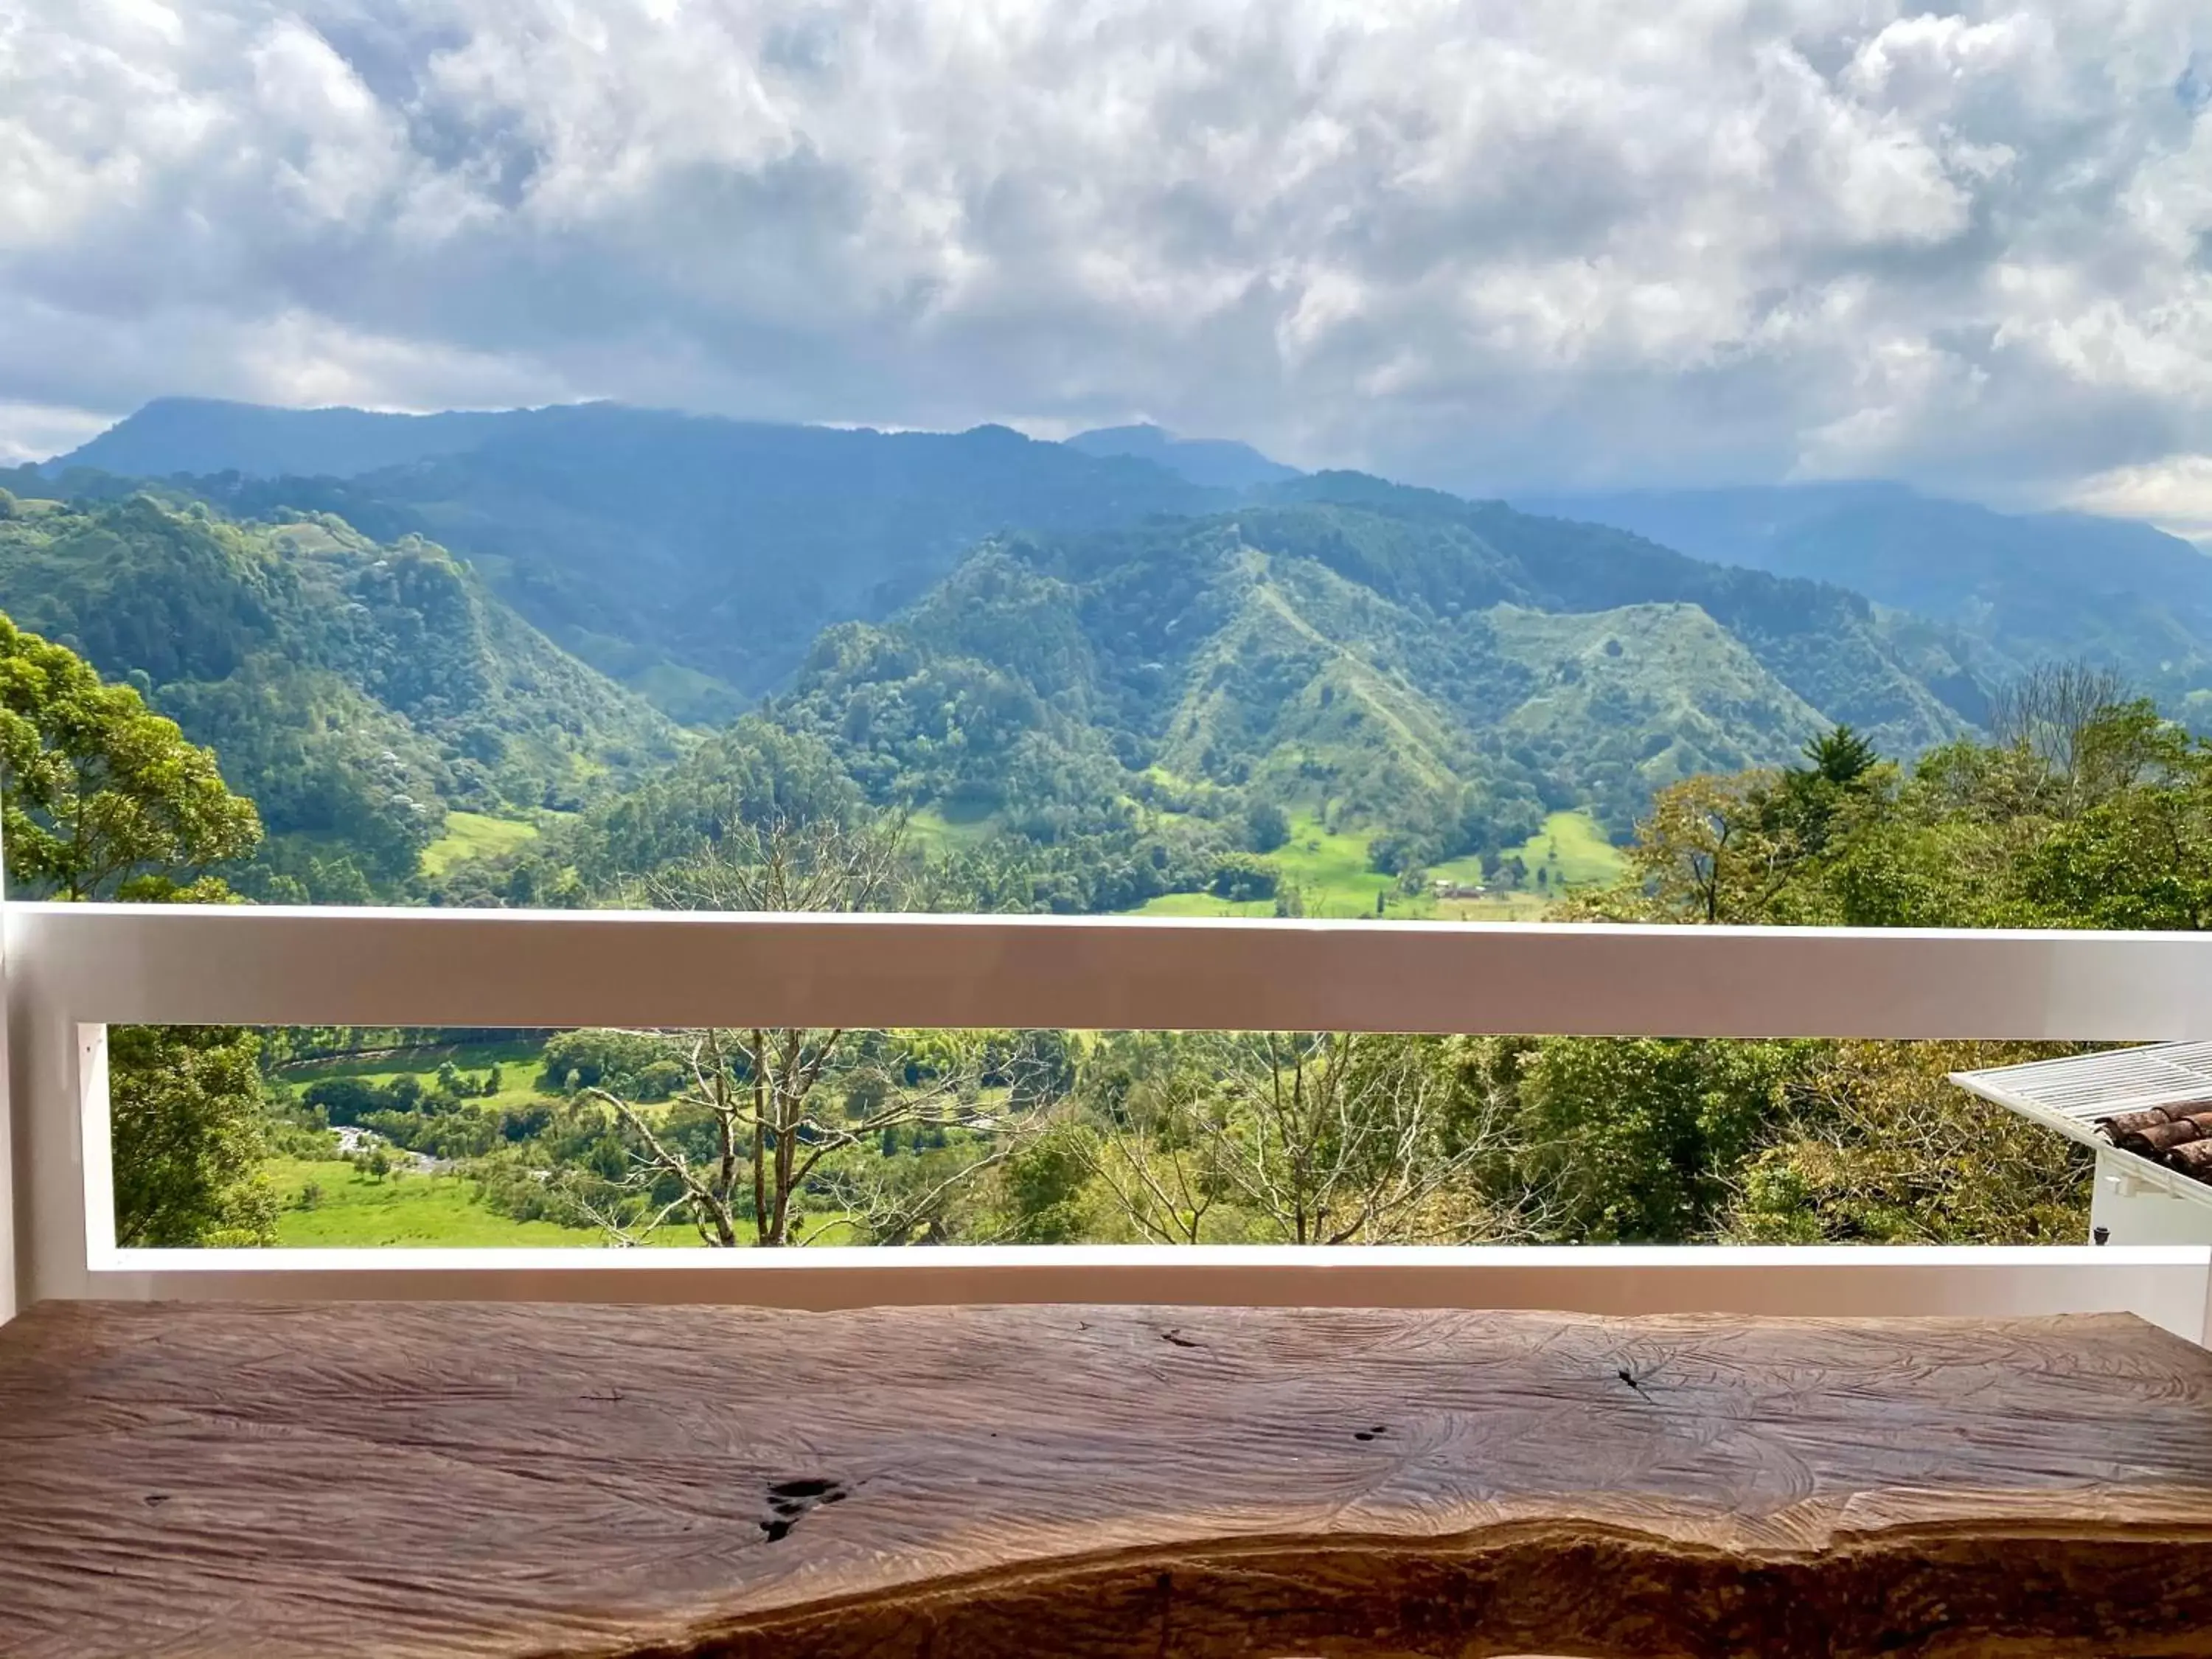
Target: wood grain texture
{"x": 455, "y": 1480}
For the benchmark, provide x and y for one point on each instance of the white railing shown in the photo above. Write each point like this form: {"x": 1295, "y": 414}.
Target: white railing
{"x": 71, "y": 970}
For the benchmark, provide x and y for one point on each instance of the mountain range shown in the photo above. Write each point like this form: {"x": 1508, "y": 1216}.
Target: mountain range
{"x": 356, "y": 691}
{"x": 1054, "y": 640}
{"x": 2021, "y": 587}
{"x": 1390, "y": 658}
{"x": 692, "y": 559}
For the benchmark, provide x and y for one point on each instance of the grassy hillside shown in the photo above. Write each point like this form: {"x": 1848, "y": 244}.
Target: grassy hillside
{"x": 1649, "y": 694}
{"x": 328, "y": 1204}
{"x": 1333, "y": 877}
{"x": 474, "y": 836}
{"x": 359, "y": 692}
{"x": 1424, "y": 679}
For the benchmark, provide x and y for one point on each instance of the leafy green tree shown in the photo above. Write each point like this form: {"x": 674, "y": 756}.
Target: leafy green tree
{"x": 185, "y": 1122}
{"x": 1841, "y": 767}
{"x": 1240, "y": 876}
{"x": 2090, "y": 811}
{"x": 1266, "y": 826}
{"x": 2139, "y": 854}
{"x": 103, "y": 797}
{"x": 1710, "y": 851}
{"x": 1876, "y": 1145}
{"x": 1040, "y": 1185}
{"x": 1840, "y": 756}
{"x": 1632, "y": 1141}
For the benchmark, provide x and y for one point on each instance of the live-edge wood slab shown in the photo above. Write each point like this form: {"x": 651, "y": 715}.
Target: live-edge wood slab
{"x": 447, "y": 1481}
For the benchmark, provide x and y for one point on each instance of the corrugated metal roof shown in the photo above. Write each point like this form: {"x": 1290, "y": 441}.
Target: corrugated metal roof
{"x": 2081, "y": 1094}
{"x": 2090, "y": 1088}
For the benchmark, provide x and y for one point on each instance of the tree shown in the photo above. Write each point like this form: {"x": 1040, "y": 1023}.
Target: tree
{"x": 1709, "y": 851}
{"x": 2048, "y": 712}
{"x": 1309, "y": 1138}
{"x": 1878, "y": 1146}
{"x": 756, "y": 1118}
{"x": 1243, "y": 876}
{"x": 1839, "y": 755}
{"x": 1266, "y": 826}
{"x": 103, "y": 797}
{"x": 1148, "y": 1130}
{"x": 2141, "y": 854}
{"x": 2091, "y": 812}
{"x": 1841, "y": 767}
{"x": 1040, "y": 1185}
{"x": 185, "y": 1118}
{"x": 1627, "y": 1141}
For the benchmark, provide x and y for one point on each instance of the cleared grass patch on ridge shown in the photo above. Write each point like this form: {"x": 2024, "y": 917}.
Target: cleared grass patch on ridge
{"x": 1329, "y": 869}
{"x": 941, "y": 829}
{"x": 474, "y": 836}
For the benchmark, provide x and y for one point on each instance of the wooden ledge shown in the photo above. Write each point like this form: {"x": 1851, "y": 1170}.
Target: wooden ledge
{"x": 412, "y": 1481}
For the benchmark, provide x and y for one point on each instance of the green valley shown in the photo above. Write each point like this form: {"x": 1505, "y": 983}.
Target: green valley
{"x": 1104, "y": 716}
{"x": 1320, "y": 695}
{"x": 1331, "y": 875}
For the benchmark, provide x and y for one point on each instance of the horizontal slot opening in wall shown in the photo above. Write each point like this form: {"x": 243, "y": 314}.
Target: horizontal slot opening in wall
{"x": 736, "y": 1139}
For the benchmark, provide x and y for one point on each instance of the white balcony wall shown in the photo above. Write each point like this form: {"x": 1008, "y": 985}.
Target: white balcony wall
{"x": 73, "y": 969}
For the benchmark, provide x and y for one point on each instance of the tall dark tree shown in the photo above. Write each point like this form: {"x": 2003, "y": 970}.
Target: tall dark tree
{"x": 1841, "y": 756}
{"x": 104, "y": 799}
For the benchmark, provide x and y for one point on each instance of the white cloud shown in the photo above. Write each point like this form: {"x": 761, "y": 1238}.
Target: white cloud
{"x": 31, "y": 432}
{"x": 1483, "y": 243}
{"x": 2174, "y": 494}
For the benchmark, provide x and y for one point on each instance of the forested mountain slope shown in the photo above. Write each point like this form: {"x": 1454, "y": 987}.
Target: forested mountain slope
{"x": 2021, "y": 587}
{"x": 353, "y": 690}
{"x": 695, "y": 558}
{"x": 692, "y": 558}
{"x": 1404, "y": 661}
{"x": 1088, "y": 652}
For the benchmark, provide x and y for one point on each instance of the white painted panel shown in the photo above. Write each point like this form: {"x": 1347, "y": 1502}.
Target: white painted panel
{"x": 238, "y": 964}
{"x": 74, "y": 966}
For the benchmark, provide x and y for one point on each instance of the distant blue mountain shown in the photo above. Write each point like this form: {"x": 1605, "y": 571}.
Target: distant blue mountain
{"x": 2023, "y": 586}
{"x": 206, "y": 434}
{"x": 1216, "y": 463}
{"x": 695, "y": 558}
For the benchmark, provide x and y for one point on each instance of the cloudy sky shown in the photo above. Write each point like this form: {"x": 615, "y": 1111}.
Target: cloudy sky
{"x": 1485, "y": 245}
